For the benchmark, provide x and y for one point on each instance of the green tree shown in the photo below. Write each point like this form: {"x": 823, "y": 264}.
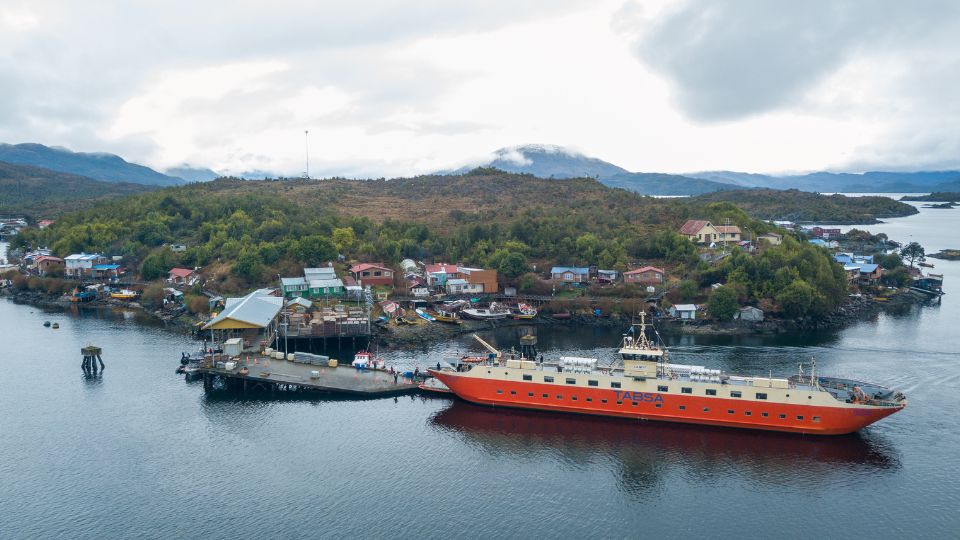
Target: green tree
{"x": 157, "y": 265}
{"x": 343, "y": 239}
{"x": 687, "y": 290}
{"x": 723, "y": 303}
{"x": 913, "y": 252}
{"x": 512, "y": 265}
{"x": 314, "y": 250}
{"x": 248, "y": 265}
{"x": 797, "y": 299}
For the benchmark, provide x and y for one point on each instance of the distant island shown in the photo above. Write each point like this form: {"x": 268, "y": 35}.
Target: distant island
{"x": 947, "y": 255}
{"x": 937, "y": 196}
{"x": 801, "y": 206}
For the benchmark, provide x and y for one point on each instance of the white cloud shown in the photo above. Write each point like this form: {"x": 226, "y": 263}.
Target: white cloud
{"x": 405, "y": 88}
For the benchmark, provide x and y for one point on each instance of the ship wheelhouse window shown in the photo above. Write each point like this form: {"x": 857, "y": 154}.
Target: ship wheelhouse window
{"x": 782, "y": 416}
{"x": 559, "y": 396}
{"x": 729, "y": 411}
{"x": 547, "y": 378}
{"x": 735, "y": 393}
{"x": 763, "y": 414}
{"x": 499, "y": 391}
{"x": 603, "y": 401}
{"x": 615, "y": 384}
{"x": 527, "y": 377}
{"x": 816, "y": 418}
{"x": 686, "y": 390}
{"x": 513, "y": 392}
{"x": 711, "y": 392}
{"x": 529, "y": 394}
{"x": 590, "y": 399}
{"x": 761, "y": 395}
{"x": 662, "y": 388}
{"x": 799, "y": 417}
{"x": 574, "y": 398}
{"x": 682, "y": 407}
{"x": 747, "y": 413}
{"x": 593, "y": 383}
{"x": 571, "y": 381}
{"x": 545, "y": 395}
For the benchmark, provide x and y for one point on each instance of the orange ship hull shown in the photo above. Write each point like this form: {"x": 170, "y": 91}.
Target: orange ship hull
{"x": 669, "y": 407}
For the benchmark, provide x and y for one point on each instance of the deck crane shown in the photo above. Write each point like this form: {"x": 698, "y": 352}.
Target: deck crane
{"x": 493, "y": 350}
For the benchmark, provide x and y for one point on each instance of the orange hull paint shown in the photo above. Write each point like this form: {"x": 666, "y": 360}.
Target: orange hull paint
{"x": 696, "y": 410}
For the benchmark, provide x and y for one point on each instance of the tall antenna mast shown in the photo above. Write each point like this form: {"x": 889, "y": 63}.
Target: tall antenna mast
{"x": 306, "y": 141}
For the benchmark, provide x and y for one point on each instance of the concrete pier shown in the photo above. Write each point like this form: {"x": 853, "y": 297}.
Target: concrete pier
{"x": 272, "y": 375}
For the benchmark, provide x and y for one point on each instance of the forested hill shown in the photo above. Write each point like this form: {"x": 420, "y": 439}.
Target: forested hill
{"x": 41, "y": 193}
{"x": 244, "y": 233}
{"x": 478, "y": 218}
{"x": 794, "y": 205}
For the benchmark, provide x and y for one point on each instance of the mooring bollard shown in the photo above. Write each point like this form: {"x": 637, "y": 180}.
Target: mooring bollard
{"x": 91, "y": 355}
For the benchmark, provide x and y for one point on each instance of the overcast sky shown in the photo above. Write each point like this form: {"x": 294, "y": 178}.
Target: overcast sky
{"x": 391, "y": 88}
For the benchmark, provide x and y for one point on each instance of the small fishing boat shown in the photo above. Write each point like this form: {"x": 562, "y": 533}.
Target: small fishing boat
{"x": 46, "y": 324}
{"x": 448, "y": 318}
{"x": 434, "y": 385}
{"x": 523, "y": 311}
{"x": 366, "y": 360}
{"x": 56, "y": 325}
{"x": 424, "y": 315}
{"x": 124, "y": 294}
{"x": 484, "y": 314}
{"x": 925, "y": 264}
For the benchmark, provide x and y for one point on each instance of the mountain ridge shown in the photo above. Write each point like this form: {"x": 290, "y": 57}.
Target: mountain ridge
{"x": 557, "y": 162}
{"x": 104, "y": 167}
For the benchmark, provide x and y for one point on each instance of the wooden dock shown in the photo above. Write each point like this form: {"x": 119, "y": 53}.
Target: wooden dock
{"x": 271, "y": 375}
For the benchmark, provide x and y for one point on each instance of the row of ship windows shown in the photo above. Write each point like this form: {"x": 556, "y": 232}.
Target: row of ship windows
{"x": 661, "y": 388}
{"x": 660, "y": 405}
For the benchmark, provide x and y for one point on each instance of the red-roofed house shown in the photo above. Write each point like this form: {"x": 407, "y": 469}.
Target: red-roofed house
{"x": 372, "y": 274}
{"x": 648, "y": 275}
{"x": 47, "y": 263}
{"x": 44, "y": 223}
{"x": 181, "y": 276}
{"x": 700, "y": 231}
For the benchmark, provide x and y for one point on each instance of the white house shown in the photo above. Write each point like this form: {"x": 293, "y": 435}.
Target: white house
{"x": 683, "y": 311}
{"x": 462, "y": 286}
{"x": 81, "y": 264}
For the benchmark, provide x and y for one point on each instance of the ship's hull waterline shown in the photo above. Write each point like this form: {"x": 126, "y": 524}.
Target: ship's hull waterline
{"x": 819, "y": 419}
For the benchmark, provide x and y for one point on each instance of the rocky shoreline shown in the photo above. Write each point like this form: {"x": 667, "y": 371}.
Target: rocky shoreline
{"x": 423, "y": 333}
{"x": 179, "y": 322}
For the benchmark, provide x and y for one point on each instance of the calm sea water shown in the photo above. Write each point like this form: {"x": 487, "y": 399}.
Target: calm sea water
{"x": 139, "y": 452}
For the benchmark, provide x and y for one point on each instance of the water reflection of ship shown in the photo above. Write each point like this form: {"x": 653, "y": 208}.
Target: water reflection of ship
{"x": 643, "y": 450}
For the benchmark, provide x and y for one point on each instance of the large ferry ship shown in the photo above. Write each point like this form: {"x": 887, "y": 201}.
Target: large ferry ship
{"x": 644, "y": 385}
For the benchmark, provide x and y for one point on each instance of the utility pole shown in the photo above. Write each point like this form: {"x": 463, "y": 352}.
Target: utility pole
{"x": 306, "y": 141}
